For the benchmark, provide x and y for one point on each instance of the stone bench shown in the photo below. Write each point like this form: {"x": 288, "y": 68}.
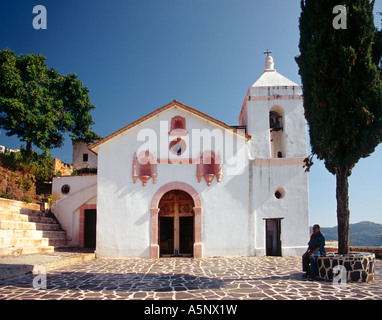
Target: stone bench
{"x": 359, "y": 266}
{"x": 376, "y": 250}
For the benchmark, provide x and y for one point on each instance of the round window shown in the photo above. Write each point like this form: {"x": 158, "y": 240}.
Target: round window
{"x": 178, "y": 146}
{"x": 65, "y": 189}
{"x": 280, "y": 193}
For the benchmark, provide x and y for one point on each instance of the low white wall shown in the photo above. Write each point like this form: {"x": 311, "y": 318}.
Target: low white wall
{"x": 83, "y": 190}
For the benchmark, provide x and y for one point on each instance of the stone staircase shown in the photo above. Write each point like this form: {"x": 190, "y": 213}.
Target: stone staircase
{"x": 25, "y": 229}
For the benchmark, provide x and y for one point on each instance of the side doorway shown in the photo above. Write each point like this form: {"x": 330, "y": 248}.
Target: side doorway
{"x": 273, "y": 237}
{"x": 90, "y": 228}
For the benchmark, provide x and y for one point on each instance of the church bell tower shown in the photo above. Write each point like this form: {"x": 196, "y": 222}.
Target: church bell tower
{"x": 273, "y": 115}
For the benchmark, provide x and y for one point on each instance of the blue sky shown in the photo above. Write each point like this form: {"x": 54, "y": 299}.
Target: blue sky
{"x": 136, "y": 56}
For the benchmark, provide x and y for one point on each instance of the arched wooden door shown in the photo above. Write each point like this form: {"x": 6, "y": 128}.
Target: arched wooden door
{"x": 176, "y": 224}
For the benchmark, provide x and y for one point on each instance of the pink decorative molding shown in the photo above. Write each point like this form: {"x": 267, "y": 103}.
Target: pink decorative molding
{"x": 154, "y": 210}
{"x": 144, "y": 167}
{"x": 178, "y": 126}
{"x": 178, "y": 160}
{"x": 279, "y": 162}
{"x": 81, "y": 234}
{"x": 209, "y": 167}
{"x": 276, "y": 97}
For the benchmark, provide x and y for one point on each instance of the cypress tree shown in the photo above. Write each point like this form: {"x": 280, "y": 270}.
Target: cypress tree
{"x": 342, "y": 92}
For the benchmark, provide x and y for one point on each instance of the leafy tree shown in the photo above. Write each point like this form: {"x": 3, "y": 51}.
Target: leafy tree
{"x": 39, "y": 105}
{"x": 342, "y": 92}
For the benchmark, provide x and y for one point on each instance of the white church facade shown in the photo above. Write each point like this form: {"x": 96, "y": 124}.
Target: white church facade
{"x": 178, "y": 182}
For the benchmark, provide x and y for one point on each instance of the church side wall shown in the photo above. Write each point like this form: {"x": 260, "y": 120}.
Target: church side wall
{"x": 258, "y": 128}
{"x": 292, "y": 208}
{"x": 272, "y": 174}
{"x": 227, "y": 226}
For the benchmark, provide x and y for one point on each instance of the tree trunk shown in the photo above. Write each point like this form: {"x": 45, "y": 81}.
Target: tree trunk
{"x": 343, "y": 213}
{"x": 29, "y": 149}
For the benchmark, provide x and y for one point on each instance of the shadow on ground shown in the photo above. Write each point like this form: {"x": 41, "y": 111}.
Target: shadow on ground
{"x": 135, "y": 281}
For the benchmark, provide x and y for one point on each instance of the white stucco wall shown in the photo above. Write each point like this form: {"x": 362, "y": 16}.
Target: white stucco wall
{"x": 123, "y": 208}
{"x": 227, "y": 229}
{"x": 76, "y": 184}
{"x": 233, "y": 210}
{"x": 292, "y": 208}
{"x": 79, "y": 149}
{"x": 83, "y": 190}
{"x": 294, "y": 131}
{"x": 273, "y": 92}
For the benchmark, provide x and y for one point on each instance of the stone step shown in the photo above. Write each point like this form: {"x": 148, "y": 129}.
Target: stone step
{"x": 24, "y": 229}
{"x": 33, "y": 234}
{"x": 17, "y": 210}
{"x": 42, "y": 219}
{"x": 19, "y": 204}
{"x": 18, "y": 265}
{"x": 23, "y": 242}
{"x": 58, "y": 242}
{"x": 14, "y": 216}
{"x": 25, "y": 218}
{"x": 28, "y": 242}
{"x": 14, "y": 251}
{"x": 21, "y": 225}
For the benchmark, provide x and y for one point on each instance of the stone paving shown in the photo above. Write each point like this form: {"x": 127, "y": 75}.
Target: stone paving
{"x": 256, "y": 278}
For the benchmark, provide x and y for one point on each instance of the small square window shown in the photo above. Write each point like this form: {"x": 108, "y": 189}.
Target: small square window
{"x": 85, "y": 157}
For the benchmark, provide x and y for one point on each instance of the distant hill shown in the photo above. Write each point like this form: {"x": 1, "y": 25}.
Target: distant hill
{"x": 365, "y": 234}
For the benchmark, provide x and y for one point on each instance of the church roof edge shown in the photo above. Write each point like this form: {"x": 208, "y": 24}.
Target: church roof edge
{"x": 273, "y": 79}
{"x": 174, "y": 103}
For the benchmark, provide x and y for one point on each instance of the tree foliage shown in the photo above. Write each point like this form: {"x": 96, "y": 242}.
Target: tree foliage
{"x": 39, "y": 105}
{"x": 342, "y": 90}
{"x": 38, "y": 165}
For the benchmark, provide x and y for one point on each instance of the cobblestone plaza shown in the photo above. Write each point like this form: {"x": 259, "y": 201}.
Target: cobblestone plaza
{"x": 246, "y": 278}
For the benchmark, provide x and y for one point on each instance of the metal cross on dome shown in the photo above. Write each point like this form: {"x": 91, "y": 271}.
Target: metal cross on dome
{"x": 267, "y": 52}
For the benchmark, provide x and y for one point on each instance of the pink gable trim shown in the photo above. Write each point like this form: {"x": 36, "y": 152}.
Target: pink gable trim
{"x": 172, "y": 104}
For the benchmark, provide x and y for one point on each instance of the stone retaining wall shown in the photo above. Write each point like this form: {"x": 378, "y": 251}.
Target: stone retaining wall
{"x": 376, "y": 250}
{"x": 359, "y": 266}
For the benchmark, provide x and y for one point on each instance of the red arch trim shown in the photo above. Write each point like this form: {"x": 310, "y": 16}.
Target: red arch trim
{"x": 154, "y": 210}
